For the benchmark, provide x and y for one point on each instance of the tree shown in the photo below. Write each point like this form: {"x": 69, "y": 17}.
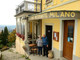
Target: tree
{"x": 5, "y": 34}
{"x": 1, "y": 39}
{"x": 11, "y": 37}
{"x": 1, "y": 36}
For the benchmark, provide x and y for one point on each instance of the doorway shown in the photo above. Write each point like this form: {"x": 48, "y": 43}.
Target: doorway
{"x": 68, "y": 39}
{"x": 49, "y": 36}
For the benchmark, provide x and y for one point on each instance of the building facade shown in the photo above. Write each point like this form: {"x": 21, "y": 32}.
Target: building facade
{"x": 59, "y": 20}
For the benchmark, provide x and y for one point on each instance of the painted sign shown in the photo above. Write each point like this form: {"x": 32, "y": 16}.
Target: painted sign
{"x": 54, "y": 15}
{"x": 62, "y": 14}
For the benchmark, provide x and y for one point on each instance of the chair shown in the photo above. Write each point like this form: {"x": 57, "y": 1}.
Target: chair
{"x": 34, "y": 50}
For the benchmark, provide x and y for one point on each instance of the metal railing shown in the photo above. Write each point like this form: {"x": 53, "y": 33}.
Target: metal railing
{"x": 29, "y": 6}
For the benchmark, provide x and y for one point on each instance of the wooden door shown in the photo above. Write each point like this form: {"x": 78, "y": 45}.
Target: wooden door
{"x": 49, "y": 36}
{"x": 68, "y": 39}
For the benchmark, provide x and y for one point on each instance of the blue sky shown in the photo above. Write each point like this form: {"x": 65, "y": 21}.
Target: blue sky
{"x": 7, "y": 11}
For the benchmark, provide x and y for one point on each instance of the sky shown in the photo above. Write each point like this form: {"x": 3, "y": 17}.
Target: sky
{"x": 7, "y": 11}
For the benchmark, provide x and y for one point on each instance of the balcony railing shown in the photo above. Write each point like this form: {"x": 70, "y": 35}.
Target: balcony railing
{"x": 29, "y": 6}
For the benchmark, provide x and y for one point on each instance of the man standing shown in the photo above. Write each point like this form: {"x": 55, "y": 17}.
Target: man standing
{"x": 45, "y": 45}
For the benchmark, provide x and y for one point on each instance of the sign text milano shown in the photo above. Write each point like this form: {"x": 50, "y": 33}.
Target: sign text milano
{"x": 53, "y": 15}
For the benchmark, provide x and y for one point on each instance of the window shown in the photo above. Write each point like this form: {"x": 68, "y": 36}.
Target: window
{"x": 48, "y": 1}
{"x": 30, "y": 7}
{"x": 70, "y": 33}
{"x": 23, "y": 28}
{"x": 22, "y": 8}
{"x": 18, "y": 25}
{"x": 17, "y": 10}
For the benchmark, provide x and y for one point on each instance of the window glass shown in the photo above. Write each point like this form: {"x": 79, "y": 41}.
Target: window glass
{"x": 16, "y": 11}
{"x": 30, "y": 7}
{"x": 23, "y": 28}
{"x": 22, "y": 8}
{"x": 70, "y": 33}
{"x": 18, "y": 22}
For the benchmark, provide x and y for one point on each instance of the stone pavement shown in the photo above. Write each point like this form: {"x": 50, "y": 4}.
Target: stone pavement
{"x": 10, "y": 55}
{"x": 34, "y": 57}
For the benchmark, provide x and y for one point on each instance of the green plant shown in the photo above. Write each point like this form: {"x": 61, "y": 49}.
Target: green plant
{"x": 12, "y": 37}
{"x": 10, "y": 50}
{"x": 28, "y": 59}
{"x": 9, "y": 44}
{"x": 1, "y": 46}
{"x": 16, "y": 52}
{"x": 23, "y": 56}
{"x": 5, "y": 36}
{"x": 0, "y": 41}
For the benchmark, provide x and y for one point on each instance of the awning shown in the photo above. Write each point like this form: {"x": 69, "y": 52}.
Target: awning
{"x": 55, "y": 14}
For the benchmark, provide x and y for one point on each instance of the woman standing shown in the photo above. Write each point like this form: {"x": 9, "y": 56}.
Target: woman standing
{"x": 40, "y": 45}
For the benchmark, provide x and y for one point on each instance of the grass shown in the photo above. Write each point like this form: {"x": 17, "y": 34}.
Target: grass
{"x": 28, "y": 59}
{"x": 10, "y": 50}
{"x": 23, "y": 56}
{"x": 16, "y": 52}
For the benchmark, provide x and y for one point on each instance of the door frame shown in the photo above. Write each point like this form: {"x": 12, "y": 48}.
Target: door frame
{"x": 62, "y": 36}
{"x": 50, "y": 24}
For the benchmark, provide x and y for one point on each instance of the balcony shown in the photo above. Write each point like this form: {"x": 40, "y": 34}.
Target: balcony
{"x": 30, "y": 6}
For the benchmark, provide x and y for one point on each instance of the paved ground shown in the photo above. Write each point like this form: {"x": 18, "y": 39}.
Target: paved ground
{"x": 44, "y": 58}
{"x": 38, "y": 58}
{"x": 10, "y": 55}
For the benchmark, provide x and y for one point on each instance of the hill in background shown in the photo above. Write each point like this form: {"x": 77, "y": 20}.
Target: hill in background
{"x": 10, "y": 27}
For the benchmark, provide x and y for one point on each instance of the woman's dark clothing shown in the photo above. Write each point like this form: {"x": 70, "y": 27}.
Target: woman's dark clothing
{"x": 40, "y": 50}
{"x": 45, "y": 49}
